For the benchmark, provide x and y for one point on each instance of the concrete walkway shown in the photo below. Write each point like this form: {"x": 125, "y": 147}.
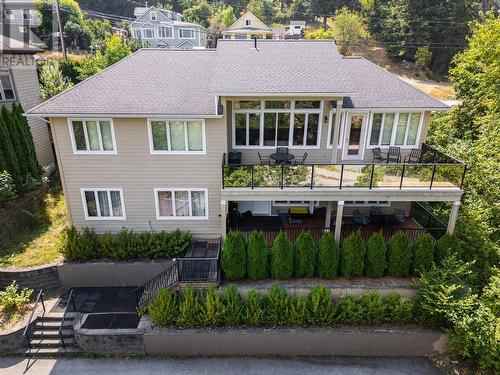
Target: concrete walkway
{"x": 219, "y": 366}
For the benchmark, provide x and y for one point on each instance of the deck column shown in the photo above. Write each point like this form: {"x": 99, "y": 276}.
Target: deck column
{"x": 328, "y": 217}
{"x": 338, "y": 220}
{"x": 453, "y": 217}
{"x": 223, "y": 217}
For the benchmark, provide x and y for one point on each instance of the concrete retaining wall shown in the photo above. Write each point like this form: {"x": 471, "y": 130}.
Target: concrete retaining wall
{"x": 109, "y": 273}
{"x": 44, "y": 277}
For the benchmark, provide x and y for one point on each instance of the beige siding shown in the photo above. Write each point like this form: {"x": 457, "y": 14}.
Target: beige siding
{"x": 138, "y": 172}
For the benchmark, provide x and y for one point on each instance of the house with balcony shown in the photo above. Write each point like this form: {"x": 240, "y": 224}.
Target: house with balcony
{"x": 162, "y": 28}
{"x": 275, "y": 135}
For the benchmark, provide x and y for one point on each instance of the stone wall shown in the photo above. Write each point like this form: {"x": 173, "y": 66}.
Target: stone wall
{"x": 12, "y": 341}
{"x": 44, "y": 277}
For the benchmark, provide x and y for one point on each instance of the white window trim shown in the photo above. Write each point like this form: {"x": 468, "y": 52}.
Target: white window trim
{"x": 248, "y": 22}
{"x": 367, "y": 204}
{"x": 186, "y": 152}
{"x": 394, "y": 130}
{"x": 331, "y": 124}
{"x": 166, "y": 27}
{"x": 144, "y": 32}
{"x": 184, "y": 28}
{"x": 85, "y": 209}
{"x": 173, "y": 190}
{"x": 3, "y": 99}
{"x": 90, "y": 152}
{"x": 292, "y": 111}
{"x": 151, "y": 14}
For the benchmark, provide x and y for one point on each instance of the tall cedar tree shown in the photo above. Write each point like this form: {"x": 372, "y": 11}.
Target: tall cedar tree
{"x": 305, "y": 255}
{"x": 328, "y": 257}
{"x": 353, "y": 255}
{"x": 16, "y": 136}
{"x": 234, "y": 257}
{"x": 282, "y": 258}
{"x": 8, "y": 153}
{"x": 399, "y": 255}
{"x": 376, "y": 256}
{"x": 27, "y": 140}
{"x": 257, "y": 256}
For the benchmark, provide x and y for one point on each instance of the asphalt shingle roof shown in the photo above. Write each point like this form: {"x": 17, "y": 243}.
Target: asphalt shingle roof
{"x": 186, "y": 82}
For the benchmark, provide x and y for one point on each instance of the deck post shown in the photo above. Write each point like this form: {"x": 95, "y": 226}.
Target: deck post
{"x": 335, "y": 128}
{"x": 453, "y": 217}
{"x": 338, "y": 221}
{"x": 223, "y": 217}
{"x": 328, "y": 217}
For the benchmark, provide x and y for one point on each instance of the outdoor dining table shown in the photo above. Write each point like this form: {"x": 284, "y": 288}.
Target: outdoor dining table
{"x": 282, "y": 158}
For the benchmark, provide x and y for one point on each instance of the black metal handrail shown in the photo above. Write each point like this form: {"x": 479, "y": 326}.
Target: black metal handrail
{"x": 70, "y": 299}
{"x": 165, "y": 279}
{"x": 39, "y": 298}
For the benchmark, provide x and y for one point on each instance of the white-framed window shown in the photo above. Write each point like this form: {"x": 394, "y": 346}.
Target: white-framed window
{"x": 103, "y": 203}
{"x": 148, "y": 33}
{"x": 181, "y": 204}
{"x": 272, "y": 123}
{"x": 136, "y": 33}
{"x": 186, "y": 33}
{"x": 367, "y": 203}
{"x": 165, "y": 32}
{"x": 295, "y": 203}
{"x": 6, "y": 86}
{"x": 394, "y": 129}
{"x": 248, "y": 22}
{"x": 331, "y": 128}
{"x": 153, "y": 16}
{"x": 96, "y": 136}
{"x": 176, "y": 136}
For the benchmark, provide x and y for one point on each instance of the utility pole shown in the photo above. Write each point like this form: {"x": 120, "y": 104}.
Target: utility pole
{"x": 61, "y": 36}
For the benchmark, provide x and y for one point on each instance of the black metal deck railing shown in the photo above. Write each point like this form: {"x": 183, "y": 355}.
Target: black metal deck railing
{"x": 435, "y": 171}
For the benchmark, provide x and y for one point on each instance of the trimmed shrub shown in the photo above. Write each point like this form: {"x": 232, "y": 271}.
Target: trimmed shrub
{"x": 282, "y": 258}
{"x": 176, "y": 242}
{"x": 277, "y": 306}
{"x": 7, "y": 188}
{"x": 305, "y": 255}
{"x": 125, "y": 245}
{"x": 257, "y": 256}
{"x": 298, "y": 313}
{"x": 106, "y": 245}
{"x": 233, "y": 259}
{"x": 233, "y": 306}
{"x": 399, "y": 255}
{"x": 376, "y": 256}
{"x": 321, "y": 305}
{"x": 372, "y": 307}
{"x": 353, "y": 256}
{"x": 164, "y": 308}
{"x": 190, "y": 309}
{"x": 398, "y": 310}
{"x": 254, "y": 313}
{"x": 328, "y": 257}
{"x": 446, "y": 246}
{"x": 213, "y": 308}
{"x": 423, "y": 254}
{"x": 348, "y": 311}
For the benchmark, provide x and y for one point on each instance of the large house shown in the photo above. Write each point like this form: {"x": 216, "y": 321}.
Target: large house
{"x": 267, "y": 134}
{"x": 248, "y": 26}
{"x": 156, "y": 27}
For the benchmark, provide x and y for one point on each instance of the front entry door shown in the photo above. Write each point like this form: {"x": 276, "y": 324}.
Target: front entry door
{"x": 354, "y": 136}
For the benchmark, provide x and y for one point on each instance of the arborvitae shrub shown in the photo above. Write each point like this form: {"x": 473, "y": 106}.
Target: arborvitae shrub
{"x": 376, "y": 256}
{"x": 234, "y": 306}
{"x": 373, "y": 308}
{"x": 126, "y": 246}
{"x": 190, "y": 309}
{"x": 254, "y": 312}
{"x": 87, "y": 244}
{"x": 70, "y": 245}
{"x": 328, "y": 257}
{"x": 399, "y": 255}
{"x": 277, "y": 303}
{"x": 106, "y": 245}
{"x": 143, "y": 244}
{"x": 423, "y": 254}
{"x": 305, "y": 255}
{"x": 298, "y": 312}
{"x": 348, "y": 311}
{"x": 321, "y": 306}
{"x": 9, "y": 156}
{"x": 15, "y": 140}
{"x": 447, "y": 245}
{"x": 257, "y": 256}
{"x": 164, "y": 308}
{"x": 176, "y": 242}
{"x": 398, "y": 310}
{"x": 234, "y": 257}
{"x": 353, "y": 256}
{"x": 282, "y": 258}
{"x": 213, "y": 308}
{"x": 35, "y": 169}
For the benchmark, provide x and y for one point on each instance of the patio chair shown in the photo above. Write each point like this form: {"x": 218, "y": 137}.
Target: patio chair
{"x": 414, "y": 156}
{"x": 282, "y": 150}
{"x": 264, "y": 160}
{"x": 301, "y": 160}
{"x": 399, "y": 216}
{"x": 359, "y": 218}
{"x": 377, "y": 155}
{"x": 394, "y": 155}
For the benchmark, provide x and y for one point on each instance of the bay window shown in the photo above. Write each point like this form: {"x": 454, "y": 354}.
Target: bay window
{"x": 173, "y": 204}
{"x": 177, "y": 136}
{"x": 103, "y": 204}
{"x": 400, "y": 129}
{"x": 92, "y": 136}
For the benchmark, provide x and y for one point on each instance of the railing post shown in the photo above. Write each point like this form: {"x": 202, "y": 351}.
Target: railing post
{"x": 402, "y": 176}
{"x": 312, "y": 176}
{"x": 282, "y": 174}
{"x": 463, "y": 176}
{"x": 432, "y": 178}
{"x": 371, "y": 177}
{"x": 252, "y": 170}
{"x": 341, "y": 176}
{"x": 43, "y": 303}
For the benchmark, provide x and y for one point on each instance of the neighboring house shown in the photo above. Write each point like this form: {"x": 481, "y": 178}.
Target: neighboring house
{"x": 296, "y": 27}
{"x": 279, "y": 32}
{"x": 176, "y": 144}
{"x": 248, "y": 26}
{"x": 156, "y": 27}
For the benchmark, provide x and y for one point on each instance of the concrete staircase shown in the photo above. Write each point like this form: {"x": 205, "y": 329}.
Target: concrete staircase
{"x": 45, "y": 338}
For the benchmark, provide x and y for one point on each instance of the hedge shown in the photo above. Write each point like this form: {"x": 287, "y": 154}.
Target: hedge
{"x": 282, "y": 258}
{"x": 257, "y": 256}
{"x": 86, "y": 245}
{"x": 423, "y": 254}
{"x": 399, "y": 255}
{"x": 446, "y": 246}
{"x": 376, "y": 256}
{"x": 328, "y": 257}
{"x": 353, "y": 256}
{"x": 189, "y": 308}
{"x": 305, "y": 255}
{"x": 234, "y": 257}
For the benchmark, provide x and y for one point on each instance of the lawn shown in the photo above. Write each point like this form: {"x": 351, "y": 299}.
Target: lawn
{"x": 38, "y": 245}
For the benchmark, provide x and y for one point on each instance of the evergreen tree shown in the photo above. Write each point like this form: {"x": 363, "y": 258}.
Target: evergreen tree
{"x": 27, "y": 139}
{"x": 7, "y": 151}
{"x": 15, "y": 140}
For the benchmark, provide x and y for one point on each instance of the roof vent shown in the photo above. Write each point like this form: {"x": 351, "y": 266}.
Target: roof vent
{"x": 255, "y": 42}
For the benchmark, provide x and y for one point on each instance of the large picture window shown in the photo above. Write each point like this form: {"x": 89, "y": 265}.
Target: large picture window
{"x": 275, "y": 123}
{"x": 177, "y": 136}
{"x": 400, "y": 129}
{"x": 165, "y": 32}
{"x": 178, "y": 204}
{"x": 92, "y": 136}
{"x": 103, "y": 204}
{"x": 186, "y": 33}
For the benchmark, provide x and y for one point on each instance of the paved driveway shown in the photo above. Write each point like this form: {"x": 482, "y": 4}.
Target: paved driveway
{"x": 219, "y": 366}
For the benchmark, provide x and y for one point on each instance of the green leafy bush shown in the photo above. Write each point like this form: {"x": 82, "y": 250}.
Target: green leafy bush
{"x": 254, "y": 313}
{"x": 372, "y": 307}
{"x": 7, "y": 188}
{"x": 376, "y": 256}
{"x": 348, "y": 311}
{"x": 398, "y": 310}
{"x": 234, "y": 307}
{"x": 13, "y": 299}
{"x": 305, "y": 255}
{"x": 213, "y": 308}
{"x": 233, "y": 260}
{"x": 298, "y": 312}
{"x": 282, "y": 258}
{"x": 190, "y": 308}
{"x": 446, "y": 246}
{"x": 353, "y": 255}
{"x": 399, "y": 255}
{"x": 258, "y": 256}
{"x": 321, "y": 305}
{"x": 277, "y": 303}
{"x": 423, "y": 254}
{"x": 164, "y": 308}
{"x": 328, "y": 257}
